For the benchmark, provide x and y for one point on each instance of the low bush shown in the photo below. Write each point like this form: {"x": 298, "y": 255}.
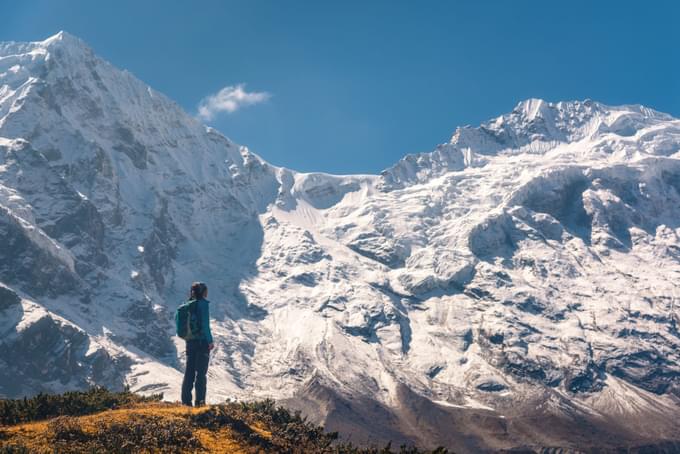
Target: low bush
{"x": 137, "y": 434}
{"x": 66, "y": 429}
{"x": 219, "y": 416}
{"x": 145, "y": 434}
{"x": 76, "y": 403}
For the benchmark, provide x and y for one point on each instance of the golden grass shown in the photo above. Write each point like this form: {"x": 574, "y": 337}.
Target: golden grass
{"x": 35, "y": 435}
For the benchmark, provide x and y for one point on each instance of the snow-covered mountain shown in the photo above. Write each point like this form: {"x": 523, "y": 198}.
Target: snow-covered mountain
{"x": 517, "y": 286}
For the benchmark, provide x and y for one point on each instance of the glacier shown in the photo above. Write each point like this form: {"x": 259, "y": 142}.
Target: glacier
{"x": 517, "y": 286}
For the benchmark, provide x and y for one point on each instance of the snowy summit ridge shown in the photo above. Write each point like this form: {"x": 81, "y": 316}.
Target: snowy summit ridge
{"x": 519, "y": 283}
{"x": 533, "y": 125}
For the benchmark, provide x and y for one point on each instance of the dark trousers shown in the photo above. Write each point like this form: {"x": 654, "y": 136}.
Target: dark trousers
{"x": 198, "y": 356}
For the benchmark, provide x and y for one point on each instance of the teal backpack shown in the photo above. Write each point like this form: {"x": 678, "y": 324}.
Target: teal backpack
{"x": 188, "y": 320}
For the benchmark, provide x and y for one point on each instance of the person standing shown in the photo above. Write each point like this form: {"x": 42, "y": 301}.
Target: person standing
{"x": 199, "y": 343}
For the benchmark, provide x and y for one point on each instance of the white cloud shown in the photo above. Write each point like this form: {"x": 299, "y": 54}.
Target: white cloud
{"x": 229, "y": 99}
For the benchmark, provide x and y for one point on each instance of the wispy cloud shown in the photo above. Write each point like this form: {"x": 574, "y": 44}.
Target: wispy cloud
{"x": 229, "y": 99}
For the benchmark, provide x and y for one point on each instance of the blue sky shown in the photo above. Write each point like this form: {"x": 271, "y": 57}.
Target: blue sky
{"x": 352, "y": 86}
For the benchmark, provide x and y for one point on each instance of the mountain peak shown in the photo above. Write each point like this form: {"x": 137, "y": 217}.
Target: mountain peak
{"x": 533, "y": 107}
{"x": 67, "y": 43}
{"x": 62, "y": 37}
{"x": 537, "y": 120}
{"x": 35, "y": 58}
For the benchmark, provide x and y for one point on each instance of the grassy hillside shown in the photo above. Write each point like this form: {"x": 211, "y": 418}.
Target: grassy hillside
{"x": 99, "y": 421}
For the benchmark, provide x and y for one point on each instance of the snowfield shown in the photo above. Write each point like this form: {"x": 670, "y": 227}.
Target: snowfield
{"x": 517, "y": 286}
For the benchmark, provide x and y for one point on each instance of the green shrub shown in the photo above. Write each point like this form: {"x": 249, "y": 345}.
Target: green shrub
{"x": 229, "y": 416}
{"x": 145, "y": 433}
{"x": 75, "y": 403}
{"x": 66, "y": 429}
{"x": 137, "y": 434}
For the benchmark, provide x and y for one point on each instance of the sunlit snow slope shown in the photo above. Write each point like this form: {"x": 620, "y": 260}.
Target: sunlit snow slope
{"x": 517, "y": 286}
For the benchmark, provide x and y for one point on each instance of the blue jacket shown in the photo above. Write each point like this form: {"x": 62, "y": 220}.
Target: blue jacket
{"x": 204, "y": 314}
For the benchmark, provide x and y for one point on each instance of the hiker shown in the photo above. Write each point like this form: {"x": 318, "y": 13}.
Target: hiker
{"x": 193, "y": 325}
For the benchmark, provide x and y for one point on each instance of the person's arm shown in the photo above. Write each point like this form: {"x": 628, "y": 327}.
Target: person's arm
{"x": 205, "y": 321}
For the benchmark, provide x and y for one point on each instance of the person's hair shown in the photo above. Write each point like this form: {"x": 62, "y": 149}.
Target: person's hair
{"x": 198, "y": 290}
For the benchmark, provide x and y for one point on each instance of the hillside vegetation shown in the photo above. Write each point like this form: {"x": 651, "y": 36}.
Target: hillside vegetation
{"x": 98, "y": 420}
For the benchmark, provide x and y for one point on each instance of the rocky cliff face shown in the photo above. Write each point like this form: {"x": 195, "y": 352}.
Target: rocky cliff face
{"x": 518, "y": 284}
